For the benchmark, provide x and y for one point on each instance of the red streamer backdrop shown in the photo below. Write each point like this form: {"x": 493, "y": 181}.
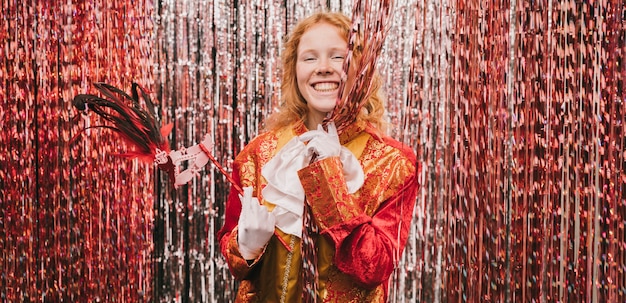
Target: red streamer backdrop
{"x": 516, "y": 109}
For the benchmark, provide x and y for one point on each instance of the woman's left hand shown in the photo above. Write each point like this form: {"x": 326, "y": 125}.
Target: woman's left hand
{"x": 324, "y": 144}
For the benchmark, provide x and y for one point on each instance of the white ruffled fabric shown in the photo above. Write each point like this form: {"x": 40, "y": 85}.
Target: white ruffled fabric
{"x": 283, "y": 184}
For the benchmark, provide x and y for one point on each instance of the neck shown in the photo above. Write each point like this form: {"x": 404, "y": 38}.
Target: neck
{"x": 313, "y": 120}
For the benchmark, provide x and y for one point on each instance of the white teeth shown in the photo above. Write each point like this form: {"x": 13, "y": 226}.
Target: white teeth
{"x": 325, "y": 86}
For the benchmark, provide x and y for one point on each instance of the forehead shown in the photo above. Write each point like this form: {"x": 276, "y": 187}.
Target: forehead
{"x": 322, "y": 35}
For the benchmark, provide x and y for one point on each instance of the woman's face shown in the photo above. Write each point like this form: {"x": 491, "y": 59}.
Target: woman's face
{"x": 319, "y": 69}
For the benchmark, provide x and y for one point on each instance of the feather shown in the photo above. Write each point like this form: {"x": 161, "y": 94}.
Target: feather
{"x": 123, "y": 115}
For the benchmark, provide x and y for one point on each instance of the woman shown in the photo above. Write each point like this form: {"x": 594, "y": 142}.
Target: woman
{"x": 360, "y": 184}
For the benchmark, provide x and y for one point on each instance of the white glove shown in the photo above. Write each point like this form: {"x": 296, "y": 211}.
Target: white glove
{"x": 256, "y": 226}
{"x": 352, "y": 170}
{"x": 324, "y": 144}
{"x": 283, "y": 187}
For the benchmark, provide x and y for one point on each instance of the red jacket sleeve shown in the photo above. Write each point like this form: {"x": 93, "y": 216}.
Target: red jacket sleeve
{"x": 367, "y": 247}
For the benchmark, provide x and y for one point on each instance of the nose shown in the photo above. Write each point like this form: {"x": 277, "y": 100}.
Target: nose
{"x": 324, "y": 68}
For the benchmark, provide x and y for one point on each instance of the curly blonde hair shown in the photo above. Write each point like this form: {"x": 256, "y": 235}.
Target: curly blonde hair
{"x": 293, "y": 106}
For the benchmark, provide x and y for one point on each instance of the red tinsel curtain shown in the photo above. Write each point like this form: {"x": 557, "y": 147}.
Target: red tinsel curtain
{"x": 515, "y": 108}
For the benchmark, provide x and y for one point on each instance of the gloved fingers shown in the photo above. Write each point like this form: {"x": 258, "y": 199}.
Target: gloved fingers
{"x": 311, "y": 149}
{"x": 322, "y": 135}
{"x": 247, "y": 192}
{"x": 319, "y": 146}
{"x": 332, "y": 130}
{"x": 322, "y": 143}
{"x": 256, "y": 209}
{"x": 352, "y": 170}
{"x": 245, "y": 199}
{"x": 256, "y": 225}
{"x": 325, "y": 147}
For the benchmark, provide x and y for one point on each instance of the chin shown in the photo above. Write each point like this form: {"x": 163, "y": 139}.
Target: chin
{"x": 323, "y": 105}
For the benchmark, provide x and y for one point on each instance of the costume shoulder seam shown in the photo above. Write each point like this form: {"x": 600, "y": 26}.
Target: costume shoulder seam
{"x": 254, "y": 144}
{"x": 405, "y": 150}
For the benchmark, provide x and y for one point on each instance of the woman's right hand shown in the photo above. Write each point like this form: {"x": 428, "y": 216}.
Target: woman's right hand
{"x": 256, "y": 226}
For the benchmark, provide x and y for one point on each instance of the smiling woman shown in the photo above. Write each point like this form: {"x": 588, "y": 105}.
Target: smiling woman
{"x": 319, "y": 69}
{"x": 343, "y": 201}
{"x": 338, "y": 29}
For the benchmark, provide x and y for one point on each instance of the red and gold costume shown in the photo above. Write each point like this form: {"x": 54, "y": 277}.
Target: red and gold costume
{"x": 362, "y": 235}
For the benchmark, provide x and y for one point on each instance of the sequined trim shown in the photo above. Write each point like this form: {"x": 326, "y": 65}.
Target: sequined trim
{"x": 285, "y": 283}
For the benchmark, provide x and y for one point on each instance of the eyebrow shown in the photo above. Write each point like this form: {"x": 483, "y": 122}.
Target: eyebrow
{"x": 334, "y": 49}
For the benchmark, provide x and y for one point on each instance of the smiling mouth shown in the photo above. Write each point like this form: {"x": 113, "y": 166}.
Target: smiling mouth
{"x": 325, "y": 86}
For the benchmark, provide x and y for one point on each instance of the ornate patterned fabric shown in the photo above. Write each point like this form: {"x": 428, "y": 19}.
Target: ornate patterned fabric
{"x": 361, "y": 235}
